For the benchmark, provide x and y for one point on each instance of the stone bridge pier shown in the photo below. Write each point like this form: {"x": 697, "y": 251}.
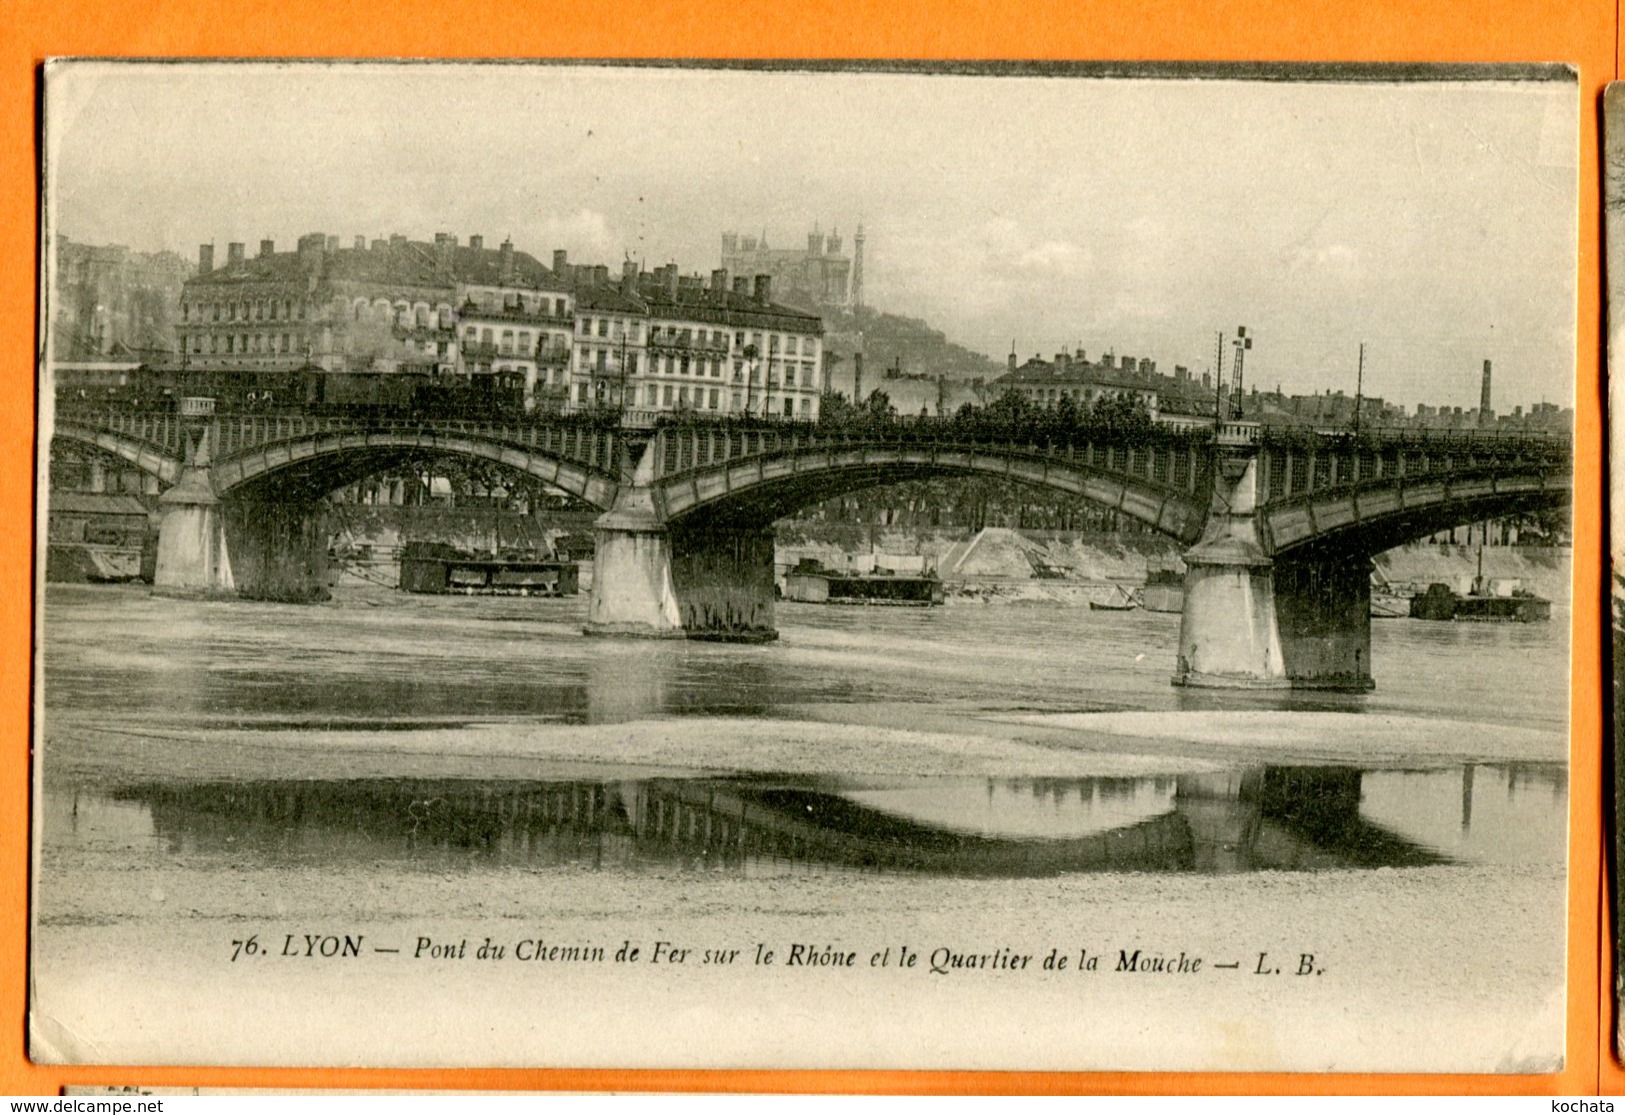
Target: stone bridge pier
{"x": 679, "y": 580}
{"x": 1255, "y": 622}
{"x": 249, "y": 546}
{"x": 693, "y": 578}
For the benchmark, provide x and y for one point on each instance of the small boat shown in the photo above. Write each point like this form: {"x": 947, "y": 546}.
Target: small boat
{"x": 1387, "y": 602}
{"x": 1389, "y": 605}
{"x": 1121, "y": 601}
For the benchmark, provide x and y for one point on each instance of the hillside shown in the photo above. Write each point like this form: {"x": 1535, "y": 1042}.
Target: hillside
{"x": 893, "y": 341}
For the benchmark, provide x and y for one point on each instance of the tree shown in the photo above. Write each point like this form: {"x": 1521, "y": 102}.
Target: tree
{"x": 1120, "y": 413}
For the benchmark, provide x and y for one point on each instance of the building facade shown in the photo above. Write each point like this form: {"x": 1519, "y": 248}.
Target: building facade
{"x": 492, "y": 315}
{"x": 661, "y": 342}
{"x": 110, "y": 301}
{"x": 1046, "y": 382}
{"x": 566, "y": 337}
{"x": 514, "y": 322}
{"x": 383, "y": 307}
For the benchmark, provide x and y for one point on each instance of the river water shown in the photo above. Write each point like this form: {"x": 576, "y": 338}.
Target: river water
{"x": 261, "y": 761}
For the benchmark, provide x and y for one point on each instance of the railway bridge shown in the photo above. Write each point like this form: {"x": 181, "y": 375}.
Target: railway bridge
{"x": 1279, "y": 527}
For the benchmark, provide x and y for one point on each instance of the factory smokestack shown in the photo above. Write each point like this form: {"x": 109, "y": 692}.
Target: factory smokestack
{"x": 1486, "y": 414}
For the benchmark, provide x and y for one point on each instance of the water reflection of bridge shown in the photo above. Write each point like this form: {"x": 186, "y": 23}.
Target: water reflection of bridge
{"x": 1277, "y": 817}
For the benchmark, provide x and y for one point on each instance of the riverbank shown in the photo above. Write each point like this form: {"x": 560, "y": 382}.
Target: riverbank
{"x": 992, "y": 566}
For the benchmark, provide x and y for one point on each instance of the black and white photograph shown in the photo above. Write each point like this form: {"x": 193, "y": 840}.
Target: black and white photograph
{"x": 805, "y": 565}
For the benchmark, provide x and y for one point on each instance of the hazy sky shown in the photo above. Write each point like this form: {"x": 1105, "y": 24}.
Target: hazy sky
{"x": 1435, "y": 221}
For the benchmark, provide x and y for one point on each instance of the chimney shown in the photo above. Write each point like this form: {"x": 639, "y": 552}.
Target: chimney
{"x": 742, "y": 286}
{"x": 360, "y": 243}
{"x": 671, "y": 281}
{"x": 397, "y": 240}
{"x": 205, "y": 258}
{"x": 719, "y": 286}
{"x": 1011, "y": 363}
{"x": 815, "y": 244}
{"x": 764, "y": 289}
{"x": 629, "y": 276}
{"x": 234, "y": 255}
{"x": 1486, "y": 416}
{"x": 600, "y": 275}
{"x": 267, "y": 248}
{"x": 857, "y": 377}
{"x": 507, "y": 261}
{"x": 477, "y": 242}
{"x": 443, "y": 246}
{"x": 379, "y": 245}
{"x": 332, "y": 243}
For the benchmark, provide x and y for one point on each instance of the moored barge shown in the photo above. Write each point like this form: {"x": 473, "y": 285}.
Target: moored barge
{"x": 811, "y": 583}
{"x": 435, "y": 568}
{"x": 1492, "y": 600}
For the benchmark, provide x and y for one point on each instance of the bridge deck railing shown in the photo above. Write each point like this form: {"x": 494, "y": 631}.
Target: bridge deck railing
{"x": 588, "y": 444}
{"x": 1179, "y": 463}
{"x": 1294, "y": 461}
{"x": 1293, "y": 471}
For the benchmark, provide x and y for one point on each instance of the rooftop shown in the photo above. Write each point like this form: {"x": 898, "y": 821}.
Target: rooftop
{"x": 1080, "y": 375}
{"x": 393, "y": 262}
{"x": 693, "y": 302}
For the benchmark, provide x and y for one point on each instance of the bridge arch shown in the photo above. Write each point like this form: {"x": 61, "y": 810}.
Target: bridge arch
{"x": 154, "y": 460}
{"x": 1365, "y": 521}
{"x": 755, "y": 490}
{"x": 314, "y": 464}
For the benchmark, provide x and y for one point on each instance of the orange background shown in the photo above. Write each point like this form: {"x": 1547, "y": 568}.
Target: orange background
{"x": 1580, "y": 32}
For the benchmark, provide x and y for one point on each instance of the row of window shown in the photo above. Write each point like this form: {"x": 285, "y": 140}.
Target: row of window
{"x": 505, "y": 343}
{"x": 260, "y": 309}
{"x": 401, "y": 314}
{"x": 613, "y": 328}
{"x": 241, "y": 343}
{"x": 600, "y": 362}
{"x": 676, "y": 334}
{"x": 617, "y": 329}
{"x": 511, "y": 302}
{"x": 1079, "y": 394}
{"x": 545, "y": 377}
{"x": 668, "y": 396}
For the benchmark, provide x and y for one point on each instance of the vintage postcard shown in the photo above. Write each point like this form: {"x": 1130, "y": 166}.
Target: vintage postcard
{"x": 805, "y": 566}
